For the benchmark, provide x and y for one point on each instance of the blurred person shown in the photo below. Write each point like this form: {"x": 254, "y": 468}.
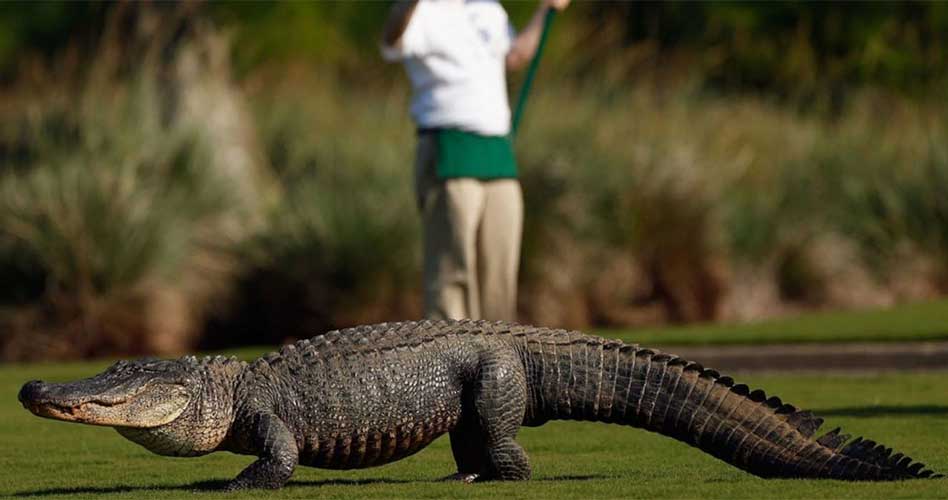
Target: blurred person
{"x": 456, "y": 53}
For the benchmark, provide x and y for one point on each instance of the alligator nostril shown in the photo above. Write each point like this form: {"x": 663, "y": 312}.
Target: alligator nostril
{"x": 32, "y": 391}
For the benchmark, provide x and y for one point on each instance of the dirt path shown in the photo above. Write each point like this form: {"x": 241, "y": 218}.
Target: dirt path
{"x": 794, "y": 357}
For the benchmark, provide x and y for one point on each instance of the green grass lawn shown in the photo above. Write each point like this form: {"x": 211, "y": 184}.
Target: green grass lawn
{"x": 47, "y": 459}
{"x": 909, "y": 322}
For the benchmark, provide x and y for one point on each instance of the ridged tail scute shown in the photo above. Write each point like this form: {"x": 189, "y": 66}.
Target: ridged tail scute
{"x": 609, "y": 381}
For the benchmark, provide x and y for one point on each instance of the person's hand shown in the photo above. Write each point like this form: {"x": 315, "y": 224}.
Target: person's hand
{"x": 556, "y": 4}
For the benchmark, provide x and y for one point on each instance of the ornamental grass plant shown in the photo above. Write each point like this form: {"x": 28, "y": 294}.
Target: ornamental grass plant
{"x": 116, "y": 220}
{"x": 162, "y": 204}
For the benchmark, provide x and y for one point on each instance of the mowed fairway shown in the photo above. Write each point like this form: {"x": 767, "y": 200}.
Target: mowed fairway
{"x": 48, "y": 459}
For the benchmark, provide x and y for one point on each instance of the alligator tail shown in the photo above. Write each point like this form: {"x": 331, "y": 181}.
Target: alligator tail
{"x": 587, "y": 378}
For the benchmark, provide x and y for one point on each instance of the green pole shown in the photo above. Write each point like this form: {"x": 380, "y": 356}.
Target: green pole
{"x": 531, "y": 71}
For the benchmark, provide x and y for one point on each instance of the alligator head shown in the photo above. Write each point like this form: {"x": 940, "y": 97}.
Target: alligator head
{"x": 172, "y": 407}
{"x": 141, "y": 394}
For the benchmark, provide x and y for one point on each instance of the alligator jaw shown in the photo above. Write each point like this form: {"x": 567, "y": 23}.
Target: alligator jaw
{"x": 68, "y": 413}
{"x": 52, "y": 401}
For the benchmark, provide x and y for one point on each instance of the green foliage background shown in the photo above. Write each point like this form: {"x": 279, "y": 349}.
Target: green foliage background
{"x": 784, "y": 47}
{"x": 681, "y": 162}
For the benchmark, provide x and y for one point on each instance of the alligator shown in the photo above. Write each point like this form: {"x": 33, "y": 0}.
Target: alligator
{"x": 371, "y": 395}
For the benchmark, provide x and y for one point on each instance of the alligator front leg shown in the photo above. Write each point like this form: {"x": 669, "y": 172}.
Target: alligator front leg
{"x": 277, "y": 451}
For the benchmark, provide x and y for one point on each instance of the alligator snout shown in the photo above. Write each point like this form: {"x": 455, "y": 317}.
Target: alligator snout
{"x": 33, "y": 391}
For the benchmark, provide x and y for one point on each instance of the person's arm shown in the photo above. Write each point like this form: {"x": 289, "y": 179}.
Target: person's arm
{"x": 397, "y": 22}
{"x": 525, "y": 44}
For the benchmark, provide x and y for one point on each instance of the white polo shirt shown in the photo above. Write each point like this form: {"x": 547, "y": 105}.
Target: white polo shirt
{"x": 455, "y": 54}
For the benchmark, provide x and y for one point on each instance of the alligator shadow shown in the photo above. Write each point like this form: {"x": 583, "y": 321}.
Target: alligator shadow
{"x": 218, "y": 485}
{"x": 571, "y": 477}
{"x": 196, "y": 487}
{"x": 883, "y": 411}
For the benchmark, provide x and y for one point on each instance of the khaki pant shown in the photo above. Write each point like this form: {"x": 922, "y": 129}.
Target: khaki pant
{"x": 472, "y": 232}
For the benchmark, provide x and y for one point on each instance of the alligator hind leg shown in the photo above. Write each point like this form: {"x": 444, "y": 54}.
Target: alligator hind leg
{"x": 497, "y": 405}
{"x": 507, "y": 462}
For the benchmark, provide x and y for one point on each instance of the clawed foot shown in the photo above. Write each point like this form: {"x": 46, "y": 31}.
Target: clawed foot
{"x": 464, "y": 477}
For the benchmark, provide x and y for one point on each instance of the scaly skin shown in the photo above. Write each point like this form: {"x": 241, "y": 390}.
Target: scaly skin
{"x": 370, "y": 395}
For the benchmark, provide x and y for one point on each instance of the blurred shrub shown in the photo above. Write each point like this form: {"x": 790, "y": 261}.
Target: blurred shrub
{"x": 143, "y": 193}
{"x": 340, "y": 242}
{"x": 889, "y": 193}
{"x": 641, "y": 207}
{"x": 113, "y": 218}
{"x": 728, "y": 207}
